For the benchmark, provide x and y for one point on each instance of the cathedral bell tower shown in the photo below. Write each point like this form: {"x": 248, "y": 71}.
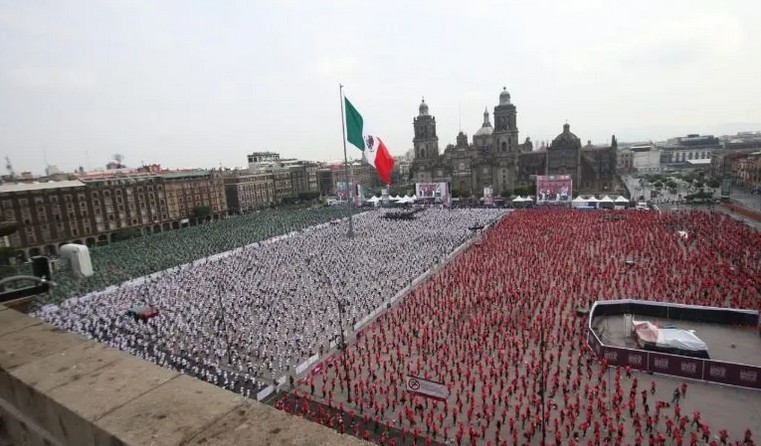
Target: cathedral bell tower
{"x": 505, "y": 127}
{"x": 425, "y": 142}
{"x": 505, "y": 144}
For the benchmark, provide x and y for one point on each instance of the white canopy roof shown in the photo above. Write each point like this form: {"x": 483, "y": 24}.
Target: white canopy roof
{"x": 606, "y": 199}
{"x": 593, "y": 199}
{"x": 373, "y": 199}
{"x": 621, "y": 199}
{"x": 517, "y": 199}
{"x": 395, "y": 198}
{"x": 579, "y": 200}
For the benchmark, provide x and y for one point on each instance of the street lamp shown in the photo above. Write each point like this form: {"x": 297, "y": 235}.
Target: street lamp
{"x": 542, "y": 383}
{"x": 342, "y": 347}
{"x": 224, "y": 324}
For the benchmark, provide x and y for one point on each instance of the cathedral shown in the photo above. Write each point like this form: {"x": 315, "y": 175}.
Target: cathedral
{"x": 496, "y": 158}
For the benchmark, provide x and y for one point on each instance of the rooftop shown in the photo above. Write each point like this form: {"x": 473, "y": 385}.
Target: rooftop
{"x": 27, "y": 187}
{"x": 184, "y": 174}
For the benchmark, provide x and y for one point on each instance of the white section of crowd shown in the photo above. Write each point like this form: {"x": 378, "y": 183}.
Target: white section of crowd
{"x": 276, "y": 301}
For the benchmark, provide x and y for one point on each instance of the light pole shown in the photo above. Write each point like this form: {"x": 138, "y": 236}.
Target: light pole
{"x": 224, "y": 324}
{"x": 542, "y": 383}
{"x": 343, "y": 348}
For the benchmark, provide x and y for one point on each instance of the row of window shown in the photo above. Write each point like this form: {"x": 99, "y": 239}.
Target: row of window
{"x": 684, "y": 156}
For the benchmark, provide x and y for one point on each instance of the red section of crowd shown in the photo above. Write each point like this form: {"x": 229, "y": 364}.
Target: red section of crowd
{"x": 477, "y": 326}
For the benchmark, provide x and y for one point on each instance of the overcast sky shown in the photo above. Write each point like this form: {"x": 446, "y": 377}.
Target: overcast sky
{"x": 199, "y": 83}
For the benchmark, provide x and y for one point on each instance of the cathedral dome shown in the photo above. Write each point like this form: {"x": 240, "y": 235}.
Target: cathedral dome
{"x": 566, "y": 140}
{"x": 504, "y": 97}
{"x": 423, "y": 108}
{"x": 486, "y": 128}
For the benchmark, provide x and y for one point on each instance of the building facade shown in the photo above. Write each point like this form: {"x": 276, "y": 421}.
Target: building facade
{"x": 498, "y": 159}
{"x": 681, "y": 151}
{"x": 91, "y": 209}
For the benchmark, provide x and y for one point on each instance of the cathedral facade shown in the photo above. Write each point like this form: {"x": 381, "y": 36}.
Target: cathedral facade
{"x": 496, "y": 158}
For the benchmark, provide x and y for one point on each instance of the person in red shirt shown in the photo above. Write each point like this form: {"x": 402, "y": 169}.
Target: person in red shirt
{"x": 706, "y": 432}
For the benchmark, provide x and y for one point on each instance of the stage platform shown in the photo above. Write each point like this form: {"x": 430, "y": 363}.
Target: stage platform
{"x": 725, "y": 342}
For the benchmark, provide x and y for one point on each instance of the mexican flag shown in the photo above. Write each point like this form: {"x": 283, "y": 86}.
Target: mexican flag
{"x": 363, "y": 138}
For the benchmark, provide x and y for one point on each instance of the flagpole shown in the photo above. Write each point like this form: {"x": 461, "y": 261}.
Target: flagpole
{"x": 349, "y": 201}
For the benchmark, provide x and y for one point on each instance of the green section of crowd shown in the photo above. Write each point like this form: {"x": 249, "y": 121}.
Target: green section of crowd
{"x": 118, "y": 262}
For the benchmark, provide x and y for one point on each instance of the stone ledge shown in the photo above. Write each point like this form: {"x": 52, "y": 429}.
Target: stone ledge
{"x": 78, "y": 392}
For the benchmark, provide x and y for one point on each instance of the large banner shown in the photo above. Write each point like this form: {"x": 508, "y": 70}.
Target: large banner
{"x": 437, "y": 191}
{"x": 488, "y": 196}
{"x": 342, "y": 191}
{"x": 359, "y": 196}
{"x": 553, "y": 189}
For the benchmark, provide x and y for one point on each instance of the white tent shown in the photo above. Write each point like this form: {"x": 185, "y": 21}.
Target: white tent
{"x": 592, "y": 199}
{"x": 395, "y": 198}
{"x": 374, "y": 199}
{"x": 410, "y": 198}
{"x": 606, "y": 199}
{"x": 621, "y": 199}
{"x": 578, "y": 202}
{"x": 518, "y": 199}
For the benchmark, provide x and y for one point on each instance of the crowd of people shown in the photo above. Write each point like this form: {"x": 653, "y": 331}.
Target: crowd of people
{"x": 244, "y": 319}
{"x": 122, "y": 261}
{"x": 477, "y": 326}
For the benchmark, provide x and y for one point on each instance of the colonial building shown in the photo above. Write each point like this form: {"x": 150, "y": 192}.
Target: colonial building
{"x": 496, "y": 158}
{"x": 245, "y": 191}
{"x": 268, "y": 180}
{"x": 91, "y": 209}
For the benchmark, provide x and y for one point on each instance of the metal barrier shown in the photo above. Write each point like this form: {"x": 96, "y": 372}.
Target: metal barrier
{"x": 710, "y": 370}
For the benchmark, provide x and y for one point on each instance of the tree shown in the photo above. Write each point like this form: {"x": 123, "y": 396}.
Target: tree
{"x": 714, "y": 183}
{"x": 125, "y": 234}
{"x": 521, "y": 190}
{"x": 671, "y": 184}
{"x": 308, "y": 196}
{"x": 201, "y": 212}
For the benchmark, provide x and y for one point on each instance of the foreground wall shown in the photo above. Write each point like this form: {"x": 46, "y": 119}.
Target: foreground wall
{"x": 711, "y": 370}
{"x": 57, "y": 388}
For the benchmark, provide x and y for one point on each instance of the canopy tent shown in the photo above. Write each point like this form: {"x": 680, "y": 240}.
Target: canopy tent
{"x": 395, "y": 198}
{"x": 578, "y": 202}
{"x": 621, "y": 199}
{"x": 593, "y": 199}
{"x": 606, "y": 203}
{"x": 374, "y": 199}
{"x": 518, "y": 199}
{"x": 669, "y": 340}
